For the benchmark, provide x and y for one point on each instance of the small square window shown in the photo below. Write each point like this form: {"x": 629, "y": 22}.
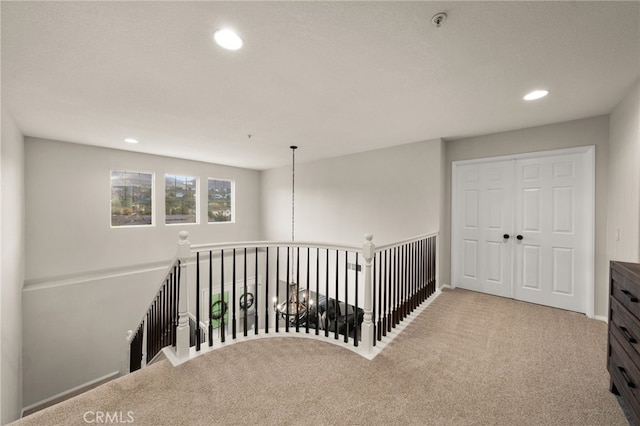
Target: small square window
{"x": 220, "y": 206}
{"x": 131, "y": 198}
{"x": 181, "y": 195}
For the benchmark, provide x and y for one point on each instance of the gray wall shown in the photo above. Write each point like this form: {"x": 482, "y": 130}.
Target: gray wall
{"x": 623, "y": 238}
{"x": 12, "y": 268}
{"x": 393, "y": 193}
{"x": 590, "y": 131}
{"x": 87, "y": 283}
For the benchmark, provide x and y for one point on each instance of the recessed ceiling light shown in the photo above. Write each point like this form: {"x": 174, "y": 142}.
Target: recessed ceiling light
{"x": 131, "y": 140}
{"x": 536, "y": 94}
{"x": 227, "y": 39}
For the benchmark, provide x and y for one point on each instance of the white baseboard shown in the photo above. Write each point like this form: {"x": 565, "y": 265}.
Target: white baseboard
{"x": 68, "y": 394}
{"x": 601, "y": 318}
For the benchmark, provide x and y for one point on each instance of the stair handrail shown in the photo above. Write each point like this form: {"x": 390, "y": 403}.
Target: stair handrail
{"x": 185, "y": 249}
{"x": 142, "y": 324}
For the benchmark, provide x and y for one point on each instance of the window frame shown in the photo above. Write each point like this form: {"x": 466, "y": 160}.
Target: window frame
{"x": 233, "y": 201}
{"x": 152, "y": 203}
{"x": 196, "y": 201}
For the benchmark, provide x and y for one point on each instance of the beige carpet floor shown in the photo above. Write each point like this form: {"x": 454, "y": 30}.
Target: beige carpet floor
{"x": 468, "y": 359}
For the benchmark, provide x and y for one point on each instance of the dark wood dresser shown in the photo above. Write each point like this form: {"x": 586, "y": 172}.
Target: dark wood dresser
{"x": 623, "y": 358}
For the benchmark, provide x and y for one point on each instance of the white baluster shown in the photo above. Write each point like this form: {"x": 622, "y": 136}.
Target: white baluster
{"x": 368, "y": 249}
{"x": 182, "y": 333}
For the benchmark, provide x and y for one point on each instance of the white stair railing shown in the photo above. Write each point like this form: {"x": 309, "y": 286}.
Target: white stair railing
{"x": 353, "y": 296}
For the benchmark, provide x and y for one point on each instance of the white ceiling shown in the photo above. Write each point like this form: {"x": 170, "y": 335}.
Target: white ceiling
{"x": 331, "y": 77}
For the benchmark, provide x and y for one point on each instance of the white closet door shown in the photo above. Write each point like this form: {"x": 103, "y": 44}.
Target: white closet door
{"x": 551, "y": 259}
{"x": 483, "y": 211}
{"x": 523, "y": 227}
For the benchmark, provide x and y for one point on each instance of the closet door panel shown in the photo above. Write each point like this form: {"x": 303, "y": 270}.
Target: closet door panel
{"x": 549, "y": 222}
{"x": 483, "y": 215}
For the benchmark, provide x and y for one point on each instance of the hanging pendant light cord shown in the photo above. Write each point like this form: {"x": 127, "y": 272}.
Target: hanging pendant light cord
{"x": 293, "y": 192}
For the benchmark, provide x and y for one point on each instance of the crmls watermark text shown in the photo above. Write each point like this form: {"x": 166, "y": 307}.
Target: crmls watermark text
{"x": 106, "y": 417}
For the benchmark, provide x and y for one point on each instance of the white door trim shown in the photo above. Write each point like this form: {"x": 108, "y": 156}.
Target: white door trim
{"x": 589, "y": 215}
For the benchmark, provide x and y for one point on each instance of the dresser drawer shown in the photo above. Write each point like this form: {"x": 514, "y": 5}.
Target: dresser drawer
{"x": 625, "y": 375}
{"x": 626, "y": 292}
{"x": 626, "y": 329}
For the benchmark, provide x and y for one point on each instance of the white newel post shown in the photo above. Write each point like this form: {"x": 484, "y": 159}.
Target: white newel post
{"x": 143, "y": 363}
{"x": 127, "y": 365}
{"x": 182, "y": 333}
{"x": 367, "y": 324}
